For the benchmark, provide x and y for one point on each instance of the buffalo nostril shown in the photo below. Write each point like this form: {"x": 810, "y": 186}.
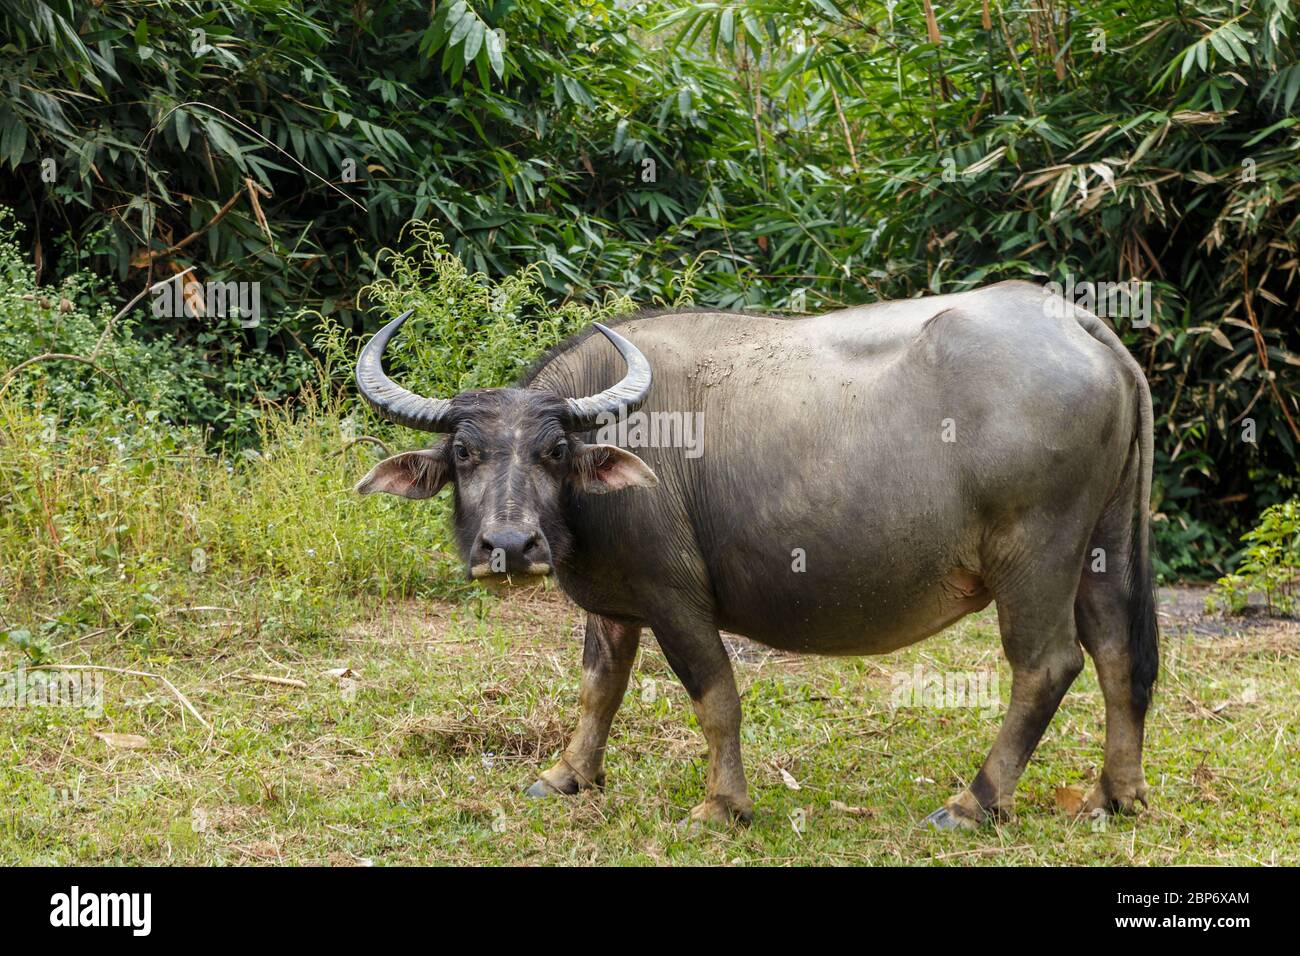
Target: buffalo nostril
{"x": 536, "y": 551}
{"x": 508, "y": 550}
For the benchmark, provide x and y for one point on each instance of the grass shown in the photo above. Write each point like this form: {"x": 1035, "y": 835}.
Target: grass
{"x": 457, "y": 704}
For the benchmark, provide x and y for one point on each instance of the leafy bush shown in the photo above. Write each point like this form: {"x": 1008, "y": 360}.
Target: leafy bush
{"x": 180, "y": 382}
{"x": 1269, "y": 566}
{"x": 896, "y": 149}
{"x": 802, "y": 154}
{"x": 70, "y": 319}
{"x": 470, "y": 330}
{"x": 281, "y": 132}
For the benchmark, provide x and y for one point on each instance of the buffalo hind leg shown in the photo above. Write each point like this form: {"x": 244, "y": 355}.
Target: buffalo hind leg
{"x": 697, "y": 656}
{"x": 607, "y": 656}
{"x": 1036, "y": 618}
{"x": 1104, "y": 618}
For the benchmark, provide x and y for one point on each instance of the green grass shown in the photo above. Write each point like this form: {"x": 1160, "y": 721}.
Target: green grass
{"x": 458, "y": 704}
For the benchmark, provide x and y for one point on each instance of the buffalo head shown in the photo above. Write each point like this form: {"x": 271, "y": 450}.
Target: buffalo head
{"x": 512, "y": 455}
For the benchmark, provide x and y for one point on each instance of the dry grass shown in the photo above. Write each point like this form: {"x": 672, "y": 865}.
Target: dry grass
{"x": 420, "y": 756}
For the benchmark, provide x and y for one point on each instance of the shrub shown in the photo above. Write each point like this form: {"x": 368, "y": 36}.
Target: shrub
{"x": 470, "y": 330}
{"x": 1269, "y": 566}
{"x": 804, "y": 154}
{"x": 179, "y": 380}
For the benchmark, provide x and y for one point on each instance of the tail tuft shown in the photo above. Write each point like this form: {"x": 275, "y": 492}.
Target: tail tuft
{"x": 1143, "y": 633}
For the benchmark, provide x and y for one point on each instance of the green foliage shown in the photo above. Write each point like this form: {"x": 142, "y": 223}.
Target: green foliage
{"x": 469, "y": 330}
{"x": 178, "y": 385}
{"x": 1269, "y": 566}
{"x": 22, "y": 640}
{"x": 520, "y": 124}
{"x": 799, "y": 156}
{"x": 285, "y": 144}
{"x": 1119, "y": 141}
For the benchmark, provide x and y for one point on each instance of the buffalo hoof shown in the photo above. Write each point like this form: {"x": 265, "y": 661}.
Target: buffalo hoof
{"x": 1114, "y": 798}
{"x": 945, "y": 819}
{"x": 720, "y": 812}
{"x": 541, "y": 788}
{"x": 563, "y": 780}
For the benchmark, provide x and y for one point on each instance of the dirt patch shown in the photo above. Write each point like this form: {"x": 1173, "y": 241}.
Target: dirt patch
{"x": 1181, "y": 610}
{"x": 539, "y": 614}
{"x": 545, "y": 615}
{"x": 493, "y": 733}
{"x": 533, "y": 612}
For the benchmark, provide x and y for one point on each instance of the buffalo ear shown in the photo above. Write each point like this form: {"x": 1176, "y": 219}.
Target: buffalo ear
{"x": 601, "y": 468}
{"x": 412, "y": 474}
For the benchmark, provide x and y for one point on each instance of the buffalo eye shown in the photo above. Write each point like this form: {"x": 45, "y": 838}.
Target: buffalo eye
{"x": 558, "y": 451}
{"x": 462, "y": 453}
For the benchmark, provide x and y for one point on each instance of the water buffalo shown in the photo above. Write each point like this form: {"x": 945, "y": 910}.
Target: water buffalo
{"x": 868, "y": 477}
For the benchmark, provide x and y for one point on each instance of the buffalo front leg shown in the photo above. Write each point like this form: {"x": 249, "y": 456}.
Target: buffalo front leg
{"x": 698, "y": 658}
{"x": 607, "y": 658}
